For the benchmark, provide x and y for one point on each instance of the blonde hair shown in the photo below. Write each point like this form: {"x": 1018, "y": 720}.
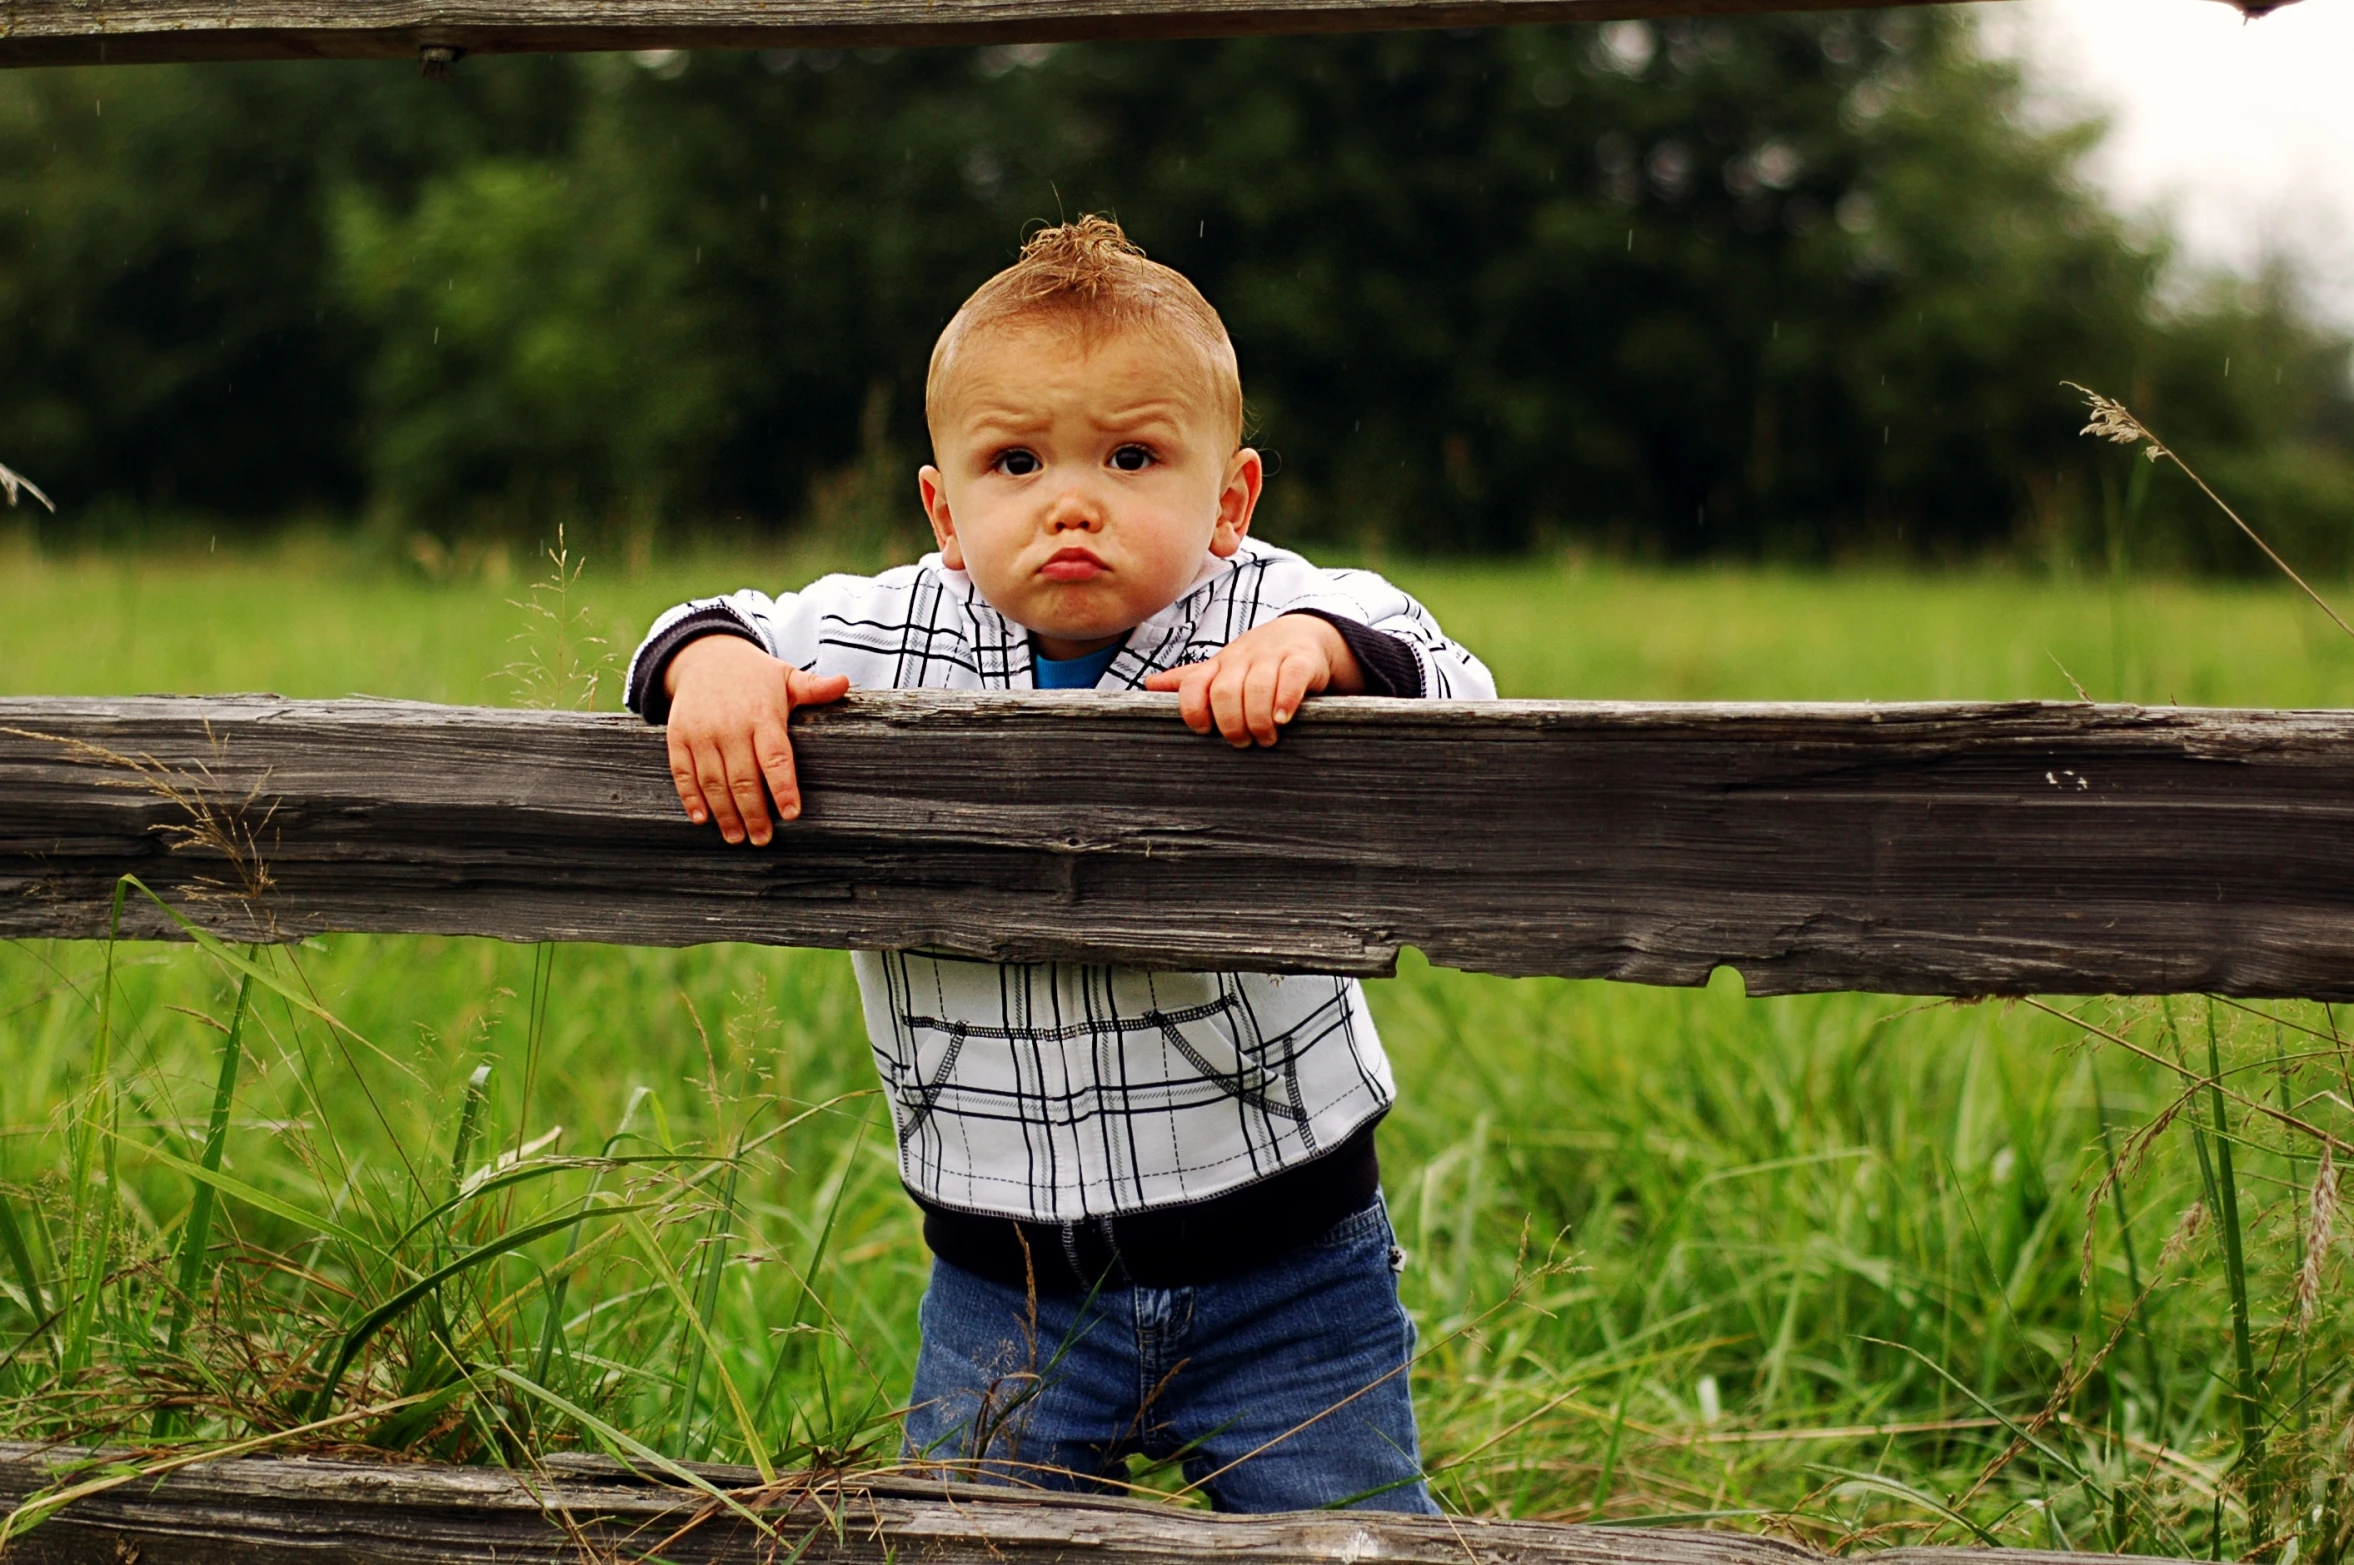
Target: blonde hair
{"x": 1091, "y": 277}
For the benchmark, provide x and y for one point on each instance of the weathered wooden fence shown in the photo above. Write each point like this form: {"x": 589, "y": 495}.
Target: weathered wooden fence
{"x": 1923, "y": 849}
{"x": 85, "y": 32}
{"x": 1946, "y": 849}
{"x": 74, "y": 32}
{"x": 576, "y": 1509}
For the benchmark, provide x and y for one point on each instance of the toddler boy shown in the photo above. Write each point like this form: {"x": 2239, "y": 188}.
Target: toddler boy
{"x": 1152, "y": 1198}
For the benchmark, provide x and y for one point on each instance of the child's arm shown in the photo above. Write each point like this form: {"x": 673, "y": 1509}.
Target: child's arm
{"x": 725, "y": 675}
{"x": 730, "y": 753}
{"x": 1343, "y": 632}
{"x": 1442, "y": 669}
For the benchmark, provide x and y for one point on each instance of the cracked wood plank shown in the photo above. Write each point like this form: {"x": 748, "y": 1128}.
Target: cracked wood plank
{"x": 323, "y": 1511}
{"x": 1918, "y": 849}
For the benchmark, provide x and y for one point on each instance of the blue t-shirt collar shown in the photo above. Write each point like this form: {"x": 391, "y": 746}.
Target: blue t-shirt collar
{"x": 1079, "y": 673}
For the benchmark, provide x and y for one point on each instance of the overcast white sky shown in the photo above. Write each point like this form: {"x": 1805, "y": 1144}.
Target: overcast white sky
{"x": 2245, "y": 130}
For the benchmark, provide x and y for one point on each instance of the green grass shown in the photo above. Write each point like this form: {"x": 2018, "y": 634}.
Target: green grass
{"x": 1845, "y": 1266}
{"x": 313, "y": 618}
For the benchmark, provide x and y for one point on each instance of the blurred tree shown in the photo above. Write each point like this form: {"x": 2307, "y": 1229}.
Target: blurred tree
{"x": 1793, "y": 286}
{"x": 167, "y": 310}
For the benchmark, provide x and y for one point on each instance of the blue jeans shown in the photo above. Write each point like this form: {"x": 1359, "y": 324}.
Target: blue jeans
{"x": 1281, "y": 1388}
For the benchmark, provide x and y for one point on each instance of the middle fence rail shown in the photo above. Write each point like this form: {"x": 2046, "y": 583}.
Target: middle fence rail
{"x": 1922, "y": 849}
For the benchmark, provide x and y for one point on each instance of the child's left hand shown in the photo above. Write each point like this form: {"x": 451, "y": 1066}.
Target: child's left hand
{"x": 1251, "y": 687}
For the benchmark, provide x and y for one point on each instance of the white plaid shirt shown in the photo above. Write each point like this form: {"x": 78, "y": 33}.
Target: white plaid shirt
{"x": 1059, "y": 1092}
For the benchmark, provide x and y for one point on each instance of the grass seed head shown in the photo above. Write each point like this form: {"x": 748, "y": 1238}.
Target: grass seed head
{"x": 2320, "y": 1231}
{"x": 2113, "y": 420}
{"x": 2186, "y": 1233}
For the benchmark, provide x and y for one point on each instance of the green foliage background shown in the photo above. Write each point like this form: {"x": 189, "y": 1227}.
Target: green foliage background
{"x": 1798, "y": 287}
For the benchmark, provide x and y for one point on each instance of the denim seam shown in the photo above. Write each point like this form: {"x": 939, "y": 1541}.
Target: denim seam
{"x": 1370, "y": 1219}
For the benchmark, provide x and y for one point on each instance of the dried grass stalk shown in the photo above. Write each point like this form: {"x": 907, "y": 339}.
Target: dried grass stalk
{"x": 11, "y": 481}
{"x": 2320, "y": 1232}
{"x": 2114, "y": 421}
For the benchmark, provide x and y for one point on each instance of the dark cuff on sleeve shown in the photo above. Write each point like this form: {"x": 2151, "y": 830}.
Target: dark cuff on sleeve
{"x": 1389, "y": 665}
{"x": 646, "y": 695}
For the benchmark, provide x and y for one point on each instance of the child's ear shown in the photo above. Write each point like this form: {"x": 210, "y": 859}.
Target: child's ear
{"x": 1246, "y": 475}
{"x": 935, "y": 492}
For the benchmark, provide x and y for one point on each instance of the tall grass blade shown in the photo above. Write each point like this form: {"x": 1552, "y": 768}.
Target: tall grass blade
{"x": 714, "y": 1266}
{"x": 2141, "y": 1324}
{"x": 424, "y": 1287}
{"x": 1883, "y": 1484}
{"x": 2251, "y": 1391}
{"x": 755, "y": 1447}
{"x": 229, "y": 956}
{"x": 551, "y": 1328}
{"x": 469, "y": 1126}
{"x": 196, "y": 1234}
{"x": 543, "y": 977}
{"x": 518, "y": 1174}
{"x": 82, "y": 1291}
{"x": 20, "y": 1260}
{"x": 627, "y": 1448}
{"x": 803, "y": 1293}
{"x": 261, "y": 1200}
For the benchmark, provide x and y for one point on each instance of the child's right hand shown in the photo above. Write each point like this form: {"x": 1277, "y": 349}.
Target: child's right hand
{"x": 729, "y": 751}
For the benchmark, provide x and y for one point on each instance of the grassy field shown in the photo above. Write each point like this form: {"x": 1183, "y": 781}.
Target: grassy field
{"x": 1851, "y": 1268}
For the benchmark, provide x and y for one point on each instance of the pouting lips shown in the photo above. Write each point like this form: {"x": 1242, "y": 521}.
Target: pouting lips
{"x": 1072, "y": 565}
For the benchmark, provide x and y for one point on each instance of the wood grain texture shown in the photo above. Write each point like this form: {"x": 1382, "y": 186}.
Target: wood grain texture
{"x": 1935, "y": 849}
{"x": 80, "y": 32}
{"x": 313, "y": 1511}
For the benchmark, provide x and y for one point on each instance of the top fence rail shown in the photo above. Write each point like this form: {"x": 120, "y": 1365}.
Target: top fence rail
{"x": 438, "y": 32}
{"x": 1931, "y": 849}
{"x": 84, "y": 32}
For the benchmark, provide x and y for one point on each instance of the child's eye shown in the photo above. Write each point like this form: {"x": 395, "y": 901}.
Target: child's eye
{"x": 1132, "y": 459}
{"x": 1017, "y": 463}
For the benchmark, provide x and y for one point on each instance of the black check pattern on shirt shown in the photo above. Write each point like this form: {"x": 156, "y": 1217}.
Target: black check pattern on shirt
{"x": 1060, "y": 1092}
{"x": 1104, "y": 1080}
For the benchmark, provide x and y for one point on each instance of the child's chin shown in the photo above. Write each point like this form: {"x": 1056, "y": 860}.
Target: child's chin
{"x": 1097, "y": 621}
{"x": 1081, "y": 635}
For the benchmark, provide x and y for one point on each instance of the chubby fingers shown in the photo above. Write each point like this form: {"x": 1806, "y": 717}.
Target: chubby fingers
{"x": 1230, "y": 693}
{"x": 806, "y": 689}
{"x": 772, "y": 743}
{"x": 1244, "y": 699}
{"x": 772, "y": 762}
{"x": 684, "y": 778}
{"x": 1299, "y": 678}
{"x": 1267, "y": 691}
{"x": 1192, "y": 684}
{"x": 730, "y": 757}
{"x": 699, "y": 770}
{"x": 747, "y": 790}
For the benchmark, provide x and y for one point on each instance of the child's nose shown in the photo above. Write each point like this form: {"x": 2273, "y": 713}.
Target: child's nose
{"x": 1074, "y": 510}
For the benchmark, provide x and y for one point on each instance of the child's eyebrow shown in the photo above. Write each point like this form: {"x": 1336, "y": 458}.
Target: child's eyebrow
{"x": 1008, "y": 419}
{"x": 1139, "y": 413}
{"x": 1005, "y": 418}
{"x": 997, "y": 420}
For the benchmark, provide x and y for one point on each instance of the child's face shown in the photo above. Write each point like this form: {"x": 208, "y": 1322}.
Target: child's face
{"x": 1080, "y": 485}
